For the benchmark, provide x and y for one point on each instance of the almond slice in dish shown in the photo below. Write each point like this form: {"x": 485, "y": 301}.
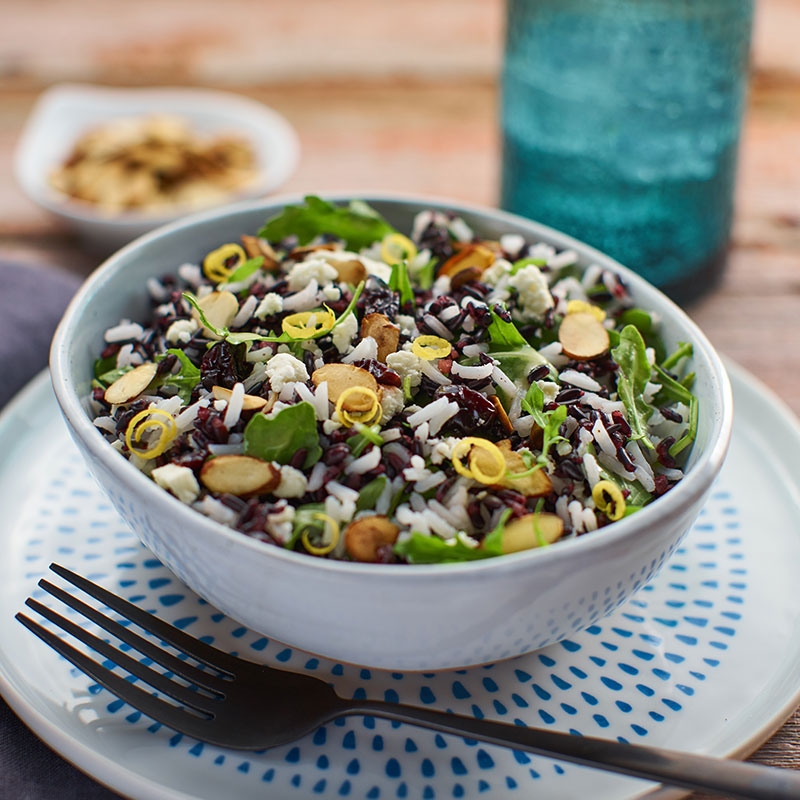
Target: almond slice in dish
{"x": 254, "y": 247}
{"x": 474, "y": 255}
{"x": 131, "y": 384}
{"x": 531, "y": 530}
{"x": 351, "y": 271}
{"x": 239, "y": 475}
{"x": 220, "y": 308}
{"x": 383, "y": 331}
{"x": 583, "y": 336}
{"x": 345, "y": 376}
{"x": 537, "y": 484}
{"x": 250, "y": 402}
{"x": 365, "y": 536}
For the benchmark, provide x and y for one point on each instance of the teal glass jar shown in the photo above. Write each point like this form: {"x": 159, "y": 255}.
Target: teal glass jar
{"x": 620, "y": 126}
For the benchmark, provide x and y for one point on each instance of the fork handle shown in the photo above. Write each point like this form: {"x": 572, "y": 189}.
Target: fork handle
{"x": 728, "y": 777}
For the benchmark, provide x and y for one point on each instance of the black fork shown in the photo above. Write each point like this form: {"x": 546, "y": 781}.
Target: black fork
{"x": 235, "y": 703}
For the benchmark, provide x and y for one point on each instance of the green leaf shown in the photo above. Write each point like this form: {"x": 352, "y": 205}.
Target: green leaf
{"x": 550, "y": 431}
{"x": 504, "y": 335}
{"x": 244, "y": 271}
{"x": 643, "y": 322}
{"x": 533, "y": 404}
{"x": 426, "y": 275}
{"x": 420, "y": 548}
{"x": 185, "y": 380}
{"x": 526, "y": 262}
{"x": 690, "y": 434}
{"x": 104, "y": 365}
{"x": 363, "y": 437}
{"x": 107, "y": 378}
{"x": 358, "y": 224}
{"x": 399, "y": 282}
{"x": 304, "y": 520}
{"x": 493, "y": 541}
{"x": 369, "y": 495}
{"x": 684, "y": 350}
{"x": 671, "y": 390}
{"x": 632, "y": 377}
{"x": 515, "y": 356}
{"x": 278, "y": 439}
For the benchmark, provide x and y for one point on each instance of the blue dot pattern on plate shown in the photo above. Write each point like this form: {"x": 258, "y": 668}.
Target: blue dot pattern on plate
{"x": 623, "y": 676}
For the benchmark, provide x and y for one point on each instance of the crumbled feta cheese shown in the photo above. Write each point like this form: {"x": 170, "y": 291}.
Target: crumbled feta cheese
{"x": 371, "y": 265}
{"x": 279, "y": 523}
{"x": 512, "y": 243}
{"x": 406, "y": 365}
{"x": 406, "y": 323}
{"x": 392, "y": 402}
{"x": 284, "y": 368}
{"x": 271, "y": 304}
{"x": 443, "y": 450}
{"x": 181, "y": 331}
{"x": 293, "y": 483}
{"x": 314, "y": 268}
{"x": 331, "y": 293}
{"x": 534, "y": 295}
{"x": 496, "y": 272}
{"x": 178, "y": 480}
{"x": 549, "y": 390}
{"x": 344, "y": 332}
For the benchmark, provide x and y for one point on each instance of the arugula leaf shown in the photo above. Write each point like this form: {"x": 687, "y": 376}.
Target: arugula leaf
{"x": 420, "y": 548}
{"x": 671, "y": 390}
{"x": 684, "y": 350}
{"x": 427, "y": 274}
{"x": 278, "y": 439}
{"x": 358, "y": 224}
{"x": 691, "y": 432}
{"x": 304, "y": 519}
{"x": 633, "y": 375}
{"x": 638, "y": 496}
{"x": 508, "y": 347}
{"x": 526, "y": 262}
{"x": 244, "y": 270}
{"x": 533, "y": 403}
{"x": 504, "y": 334}
{"x": 369, "y": 495}
{"x": 641, "y": 320}
{"x": 104, "y": 365}
{"x": 363, "y": 437}
{"x": 550, "y": 435}
{"x": 399, "y": 282}
{"x": 493, "y": 541}
{"x": 185, "y": 380}
{"x": 107, "y": 378}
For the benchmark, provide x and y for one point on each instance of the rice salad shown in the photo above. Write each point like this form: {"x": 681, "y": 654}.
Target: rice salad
{"x": 337, "y": 387}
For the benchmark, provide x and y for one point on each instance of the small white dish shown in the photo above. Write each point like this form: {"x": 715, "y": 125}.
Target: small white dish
{"x": 66, "y": 111}
{"x": 702, "y": 659}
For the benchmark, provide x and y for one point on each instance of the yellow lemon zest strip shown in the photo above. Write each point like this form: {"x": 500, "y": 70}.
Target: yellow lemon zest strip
{"x": 579, "y": 306}
{"x": 348, "y": 419}
{"x": 299, "y": 326}
{"x": 431, "y": 347}
{"x": 395, "y": 248}
{"x": 214, "y": 264}
{"x": 465, "y": 446}
{"x": 326, "y": 548}
{"x": 608, "y": 498}
{"x": 139, "y": 424}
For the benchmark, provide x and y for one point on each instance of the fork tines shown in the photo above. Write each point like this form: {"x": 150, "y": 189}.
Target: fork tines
{"x": 197, "y": 699}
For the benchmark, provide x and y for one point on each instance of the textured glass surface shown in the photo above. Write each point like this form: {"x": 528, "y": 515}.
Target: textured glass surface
{"x": 621, "y": 123}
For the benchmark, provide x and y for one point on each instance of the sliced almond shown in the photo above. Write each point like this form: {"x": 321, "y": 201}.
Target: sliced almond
{"x": 345, "y": 376}
{"x": 536, "y": 484}
{"x": 365, "y": 536}
{"x": 131, "y": 384}
{"x": 383, "y": 331}
{"x": 250, "y": 402}
{"x": 255, "y": 246}
{"x": 220, "y": 308}
{"x": 501, "y": 413}
{"x": 529, "y": 531}
{"x": 299, "y": 253}
{"x": 473, "y": 255}
{"x": 465, "y": 275}
{"x": 351, "y": 271}
{"x": 583, "y": 336}
{"x": 239, "y": 475}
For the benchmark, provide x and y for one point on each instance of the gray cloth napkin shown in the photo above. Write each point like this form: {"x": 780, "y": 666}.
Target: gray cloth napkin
{"x": 32, "y": 300}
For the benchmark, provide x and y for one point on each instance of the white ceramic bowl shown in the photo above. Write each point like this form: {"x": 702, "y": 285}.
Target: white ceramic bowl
{"x": 408, "y": 617}
{"x": 66, "y": 111}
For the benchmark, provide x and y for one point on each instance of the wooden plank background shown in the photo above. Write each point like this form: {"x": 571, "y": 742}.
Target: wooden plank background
{"x": 402, "y": 96}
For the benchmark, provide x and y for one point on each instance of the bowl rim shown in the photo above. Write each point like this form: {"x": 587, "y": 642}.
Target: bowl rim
{"x": 686, "y": 492}
{"x": 28, "y": 164}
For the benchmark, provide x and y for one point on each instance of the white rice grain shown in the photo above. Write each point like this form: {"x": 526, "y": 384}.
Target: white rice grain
{"x": 503, "y": 381}
{"x": 185, "y": 420}
{"x": 226, "y": 449}
{"x": 317, "y": 474}
{"x": 245, "y": 312}
{"x": 591, "y": 468}
{"x": 563, "y": 259}
{"x": 579, "y": 379}
{"x": 433, "y": 373}
{"x": 367, "y": 462}
{"x": 603, "y": 439}
{"x": 304, "y": 299}
{"x": 234, "y": 410}
{"x": 366, "y": 348}
{"x": 473, "y": 373}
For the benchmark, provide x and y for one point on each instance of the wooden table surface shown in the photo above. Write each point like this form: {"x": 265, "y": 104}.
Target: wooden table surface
{"x": 406, "y": 100}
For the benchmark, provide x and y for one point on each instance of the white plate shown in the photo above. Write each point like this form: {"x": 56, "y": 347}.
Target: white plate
{"x": 66, "y": 111}
{"x": 703, "y": 659}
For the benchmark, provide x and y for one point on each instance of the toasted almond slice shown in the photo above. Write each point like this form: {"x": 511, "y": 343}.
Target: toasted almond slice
{"x": 254, "y": 247}
{"x": 501, "y": 413}
{"x": 131, "y": 384}
{"x": 239, "y": 475}
{"x": 473, "y": 255}
{"x": 537, "y": 484}
{"x": 523, "y": 533}
{"x": 583, "y": 336}
{"x": 220, "y": 308}
{"x": 384, "y": 331}
{"x": 363, "y": 537}
{"x": 465, "y": 275}
{"x": 350, "y": 271}
{"x": 299, "y": 253}
{"x": 250, "y": 402}
{"x": 344, "y": 376}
